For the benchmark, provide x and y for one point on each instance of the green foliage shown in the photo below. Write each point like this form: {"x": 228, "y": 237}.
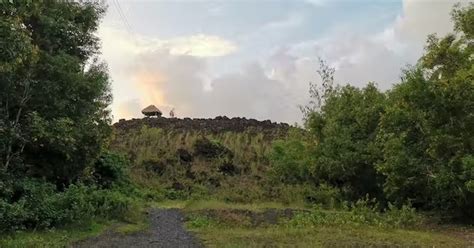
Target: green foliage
{"x": 234, "y": 225}
{"x": 199, "y": 221}
{"x": 36, "y": 204}
{"x": 426, "y": 132}
{"x": 325, "y": 196}
{"x": 346, "y": 153}
{"x": 292, "y": 158}
{"x": 53, "y": 238}
{"x": 53, "y": 92}
{"x": 411, "y": 145}
{"x": 111, "y": 167}
{"x": 361, "y": 213}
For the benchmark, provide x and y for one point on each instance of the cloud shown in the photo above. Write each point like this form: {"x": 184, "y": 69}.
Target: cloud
{"x": 360, "y": 58}
{"x": 252, "y": 93}
{"x": 168, "y": 80}
{"x": 178, "y": 81}
{"x": 420, "y": 18}
{"x": 128, "y": 109}
{"x": 291, "y": 21}
{"x": 176, "y": 73}
{"x": 183, "y": 81}
{"x": 198, "y": 45}
{"x": 317, "y": 3}
{"x": 158, "y": 71}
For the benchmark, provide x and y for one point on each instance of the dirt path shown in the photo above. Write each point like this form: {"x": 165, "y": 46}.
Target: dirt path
{"x": 166, "y": 230}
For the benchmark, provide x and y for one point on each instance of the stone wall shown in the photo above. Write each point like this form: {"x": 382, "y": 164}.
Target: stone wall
{"x": 216, "y": 125}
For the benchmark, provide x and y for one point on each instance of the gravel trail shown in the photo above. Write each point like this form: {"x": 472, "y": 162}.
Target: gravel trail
{"x": 166, "y": 230}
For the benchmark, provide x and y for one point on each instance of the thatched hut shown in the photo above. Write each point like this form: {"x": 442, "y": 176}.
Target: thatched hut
{"x": 151, "y": 110}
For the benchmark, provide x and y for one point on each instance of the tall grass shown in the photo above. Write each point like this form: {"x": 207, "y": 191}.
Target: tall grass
{"x": 154, "y": 143}
{"x": 157, "y": 166}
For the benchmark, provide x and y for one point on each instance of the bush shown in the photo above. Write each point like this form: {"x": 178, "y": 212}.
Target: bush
{"x": 363, "y": 212}
{"x": 324, "y": 195}
{"x": 36, "y": 204}
{"x": 291, "y": 159}
{"x": 111, "y": 167}
{"x": 31, "y": 205}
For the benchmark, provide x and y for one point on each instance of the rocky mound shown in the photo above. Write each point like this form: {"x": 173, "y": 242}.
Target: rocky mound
{"x": 217, "y": 125}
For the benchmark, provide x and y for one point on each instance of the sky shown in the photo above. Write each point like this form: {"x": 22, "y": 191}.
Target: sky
{"x": 255, "y": 59}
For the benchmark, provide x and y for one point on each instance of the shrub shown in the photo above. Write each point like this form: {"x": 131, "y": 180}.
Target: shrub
{"x": 402, "y": 217}
{"x": 363, "y": 212}
{"x": 36, "y": 204}
{"x": 427, "y": 129}
{"x": 200, "y": 222}
{"x": 325, "y": 195}
{"x": 291, "y": 159}
{"x": 30, "y": 206}
{"x": 210, "y": 149}
{"x": 111, "y": 167}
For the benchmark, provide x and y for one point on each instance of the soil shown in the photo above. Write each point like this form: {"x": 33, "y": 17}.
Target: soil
{"x": 166, "y": 230}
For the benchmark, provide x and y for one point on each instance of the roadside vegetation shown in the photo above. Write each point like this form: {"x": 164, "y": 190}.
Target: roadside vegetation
{"x": 271, "y": 224}
{"x": 368, "y": 168}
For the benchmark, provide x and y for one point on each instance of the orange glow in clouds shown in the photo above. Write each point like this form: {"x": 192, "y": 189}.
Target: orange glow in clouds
{"x": 149, "y": 86}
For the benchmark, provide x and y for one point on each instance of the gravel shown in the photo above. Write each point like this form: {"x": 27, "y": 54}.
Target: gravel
{"x": 166, "y": 230}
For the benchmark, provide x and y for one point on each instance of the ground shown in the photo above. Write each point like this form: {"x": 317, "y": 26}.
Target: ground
{"x": 220, "y": 224}
{"x": 165, "y": 230}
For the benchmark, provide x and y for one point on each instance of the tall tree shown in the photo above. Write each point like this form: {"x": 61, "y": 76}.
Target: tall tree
{"x": 428, "y": 129}
{"x": 54, "y": 93}
{"x": 346, "y": 152}
{"x": 344, "y": 122}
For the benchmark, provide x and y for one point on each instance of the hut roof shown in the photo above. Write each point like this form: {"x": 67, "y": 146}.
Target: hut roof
{"x": 152, "y": 109}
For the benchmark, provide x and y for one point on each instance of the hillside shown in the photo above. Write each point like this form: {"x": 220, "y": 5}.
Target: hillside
{"x": 220, "y": 156}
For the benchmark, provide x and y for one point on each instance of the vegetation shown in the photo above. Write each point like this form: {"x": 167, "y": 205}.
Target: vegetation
{"x": 426, "y": 132}
{"x": 321, "y": 236}
{"x": 410, "y": 145}
{"x": 362, "y": 226}
{"x": 55, "y": 169}
{"x": 366, "y": 168}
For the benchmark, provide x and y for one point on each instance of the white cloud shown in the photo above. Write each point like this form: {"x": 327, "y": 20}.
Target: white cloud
{"x": 179, "y": 81}
{"x": 317, "y": 2}
{"x": 361, "y": 58}
{"x": 136, "y": 84}
{"x": 291, "y": 21}
{"x": 128, "y": 109}
{"x": 199, "y": 45}
{"x": 175, "y": 73}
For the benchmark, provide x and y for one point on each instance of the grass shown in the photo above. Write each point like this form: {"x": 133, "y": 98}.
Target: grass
{"x": 134, "y": 221}
{"x": 231, "y": 228}
{"x": 235, "y": 229}
{"x": 53, "y": 237}
{"x": 194, "y": 205}
{"x": 322, "y": 236}
{"x": 66, "y": 236}
{"x": 130, "y": 228}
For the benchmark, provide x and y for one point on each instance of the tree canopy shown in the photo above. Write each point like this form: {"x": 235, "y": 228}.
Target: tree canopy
{"x": 411, "y": 145}
{"x": 54, "y": 92}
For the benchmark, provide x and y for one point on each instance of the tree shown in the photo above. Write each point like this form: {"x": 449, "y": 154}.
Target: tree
{"x": 346, "y": 153}
{"x": 344, "y": 122}
{"x": 428, "y": 128}
{"x": 17, "y": 55}
{"x": 54, "y": 91}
